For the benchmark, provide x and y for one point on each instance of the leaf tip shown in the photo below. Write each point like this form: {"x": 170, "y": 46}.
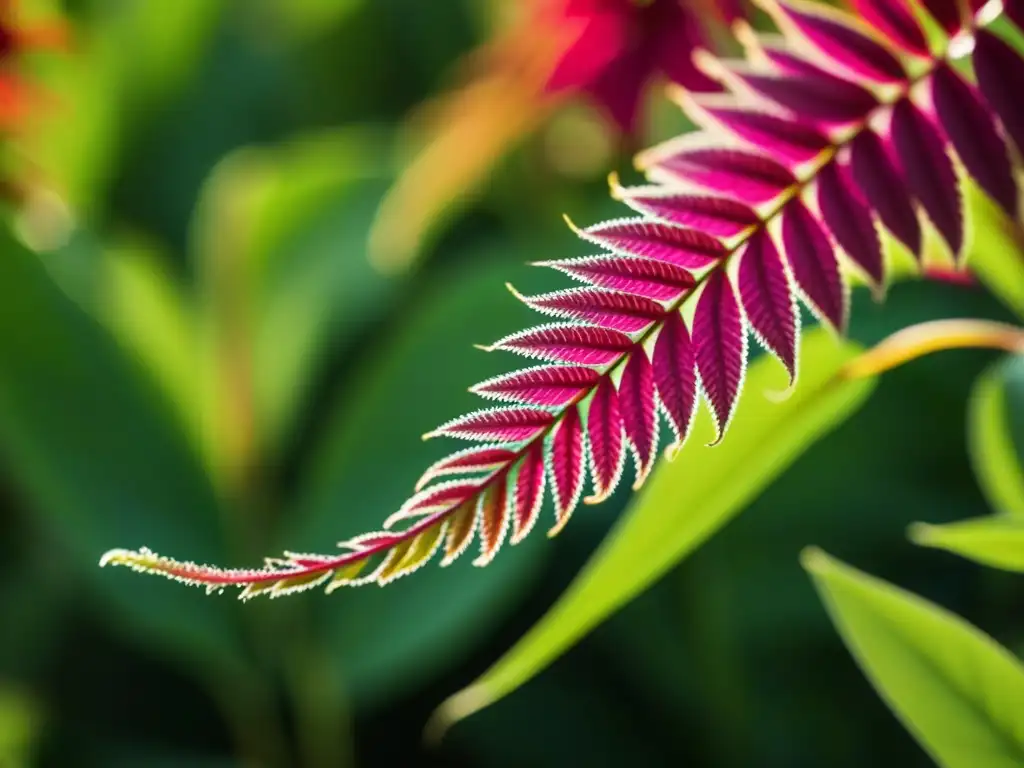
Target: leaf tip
{"x": 458, "y": 707}
{"x": 814, "y": 560}
{"x": 922, "y": 534}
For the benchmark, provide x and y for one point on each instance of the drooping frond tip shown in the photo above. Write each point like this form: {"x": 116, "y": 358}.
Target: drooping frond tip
{"x": 843, "y": 127}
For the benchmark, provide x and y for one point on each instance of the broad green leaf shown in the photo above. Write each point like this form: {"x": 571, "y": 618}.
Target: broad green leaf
{"x": 150, "y": 315}
{"x": 991, "y": 420}
{"x": 684, "y": 503}
{"x": 20, "y": 724}
{"x": 93, "y": 448}
{"x": 955, "y": 689}
{"x": 997, "y": 253}
{"x": 369, "y": 458}
{"x": 287, "y": 227}
{"x": 997, "y": 541}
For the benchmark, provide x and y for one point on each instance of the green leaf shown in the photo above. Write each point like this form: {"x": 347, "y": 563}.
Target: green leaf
{"x": 684, "y": 503}
{"x": 958, "y": 691}
{"x": 996, "y": 541}
{"x": 996, "y": 413}
{"x": 287, "y": 226}
{"x": 997, "y": 254}
{"x": 99, "y": 458}
{"x": 20, "y": 724}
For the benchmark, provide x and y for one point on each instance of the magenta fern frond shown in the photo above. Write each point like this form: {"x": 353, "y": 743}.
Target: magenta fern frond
{"x": 842, "y": 128}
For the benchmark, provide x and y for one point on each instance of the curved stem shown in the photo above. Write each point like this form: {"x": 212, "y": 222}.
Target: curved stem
{"x": 935, "y": 336}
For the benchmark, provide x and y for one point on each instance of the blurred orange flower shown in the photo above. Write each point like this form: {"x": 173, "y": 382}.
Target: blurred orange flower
{"x": 609, "y": 51}
{"x": 17, "y": 97}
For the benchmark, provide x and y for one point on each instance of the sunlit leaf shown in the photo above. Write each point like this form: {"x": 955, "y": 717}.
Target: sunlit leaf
{"x": 953, "y": 687}
{"x": 995, "y": 439}
{"x": 996, "y": 541}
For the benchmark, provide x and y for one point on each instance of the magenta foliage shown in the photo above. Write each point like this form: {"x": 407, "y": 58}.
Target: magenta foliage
{"x": 825, "y": 140}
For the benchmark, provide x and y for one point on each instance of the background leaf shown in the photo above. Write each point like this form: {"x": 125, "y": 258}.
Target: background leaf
{"x": 994, "y": 541}
{"x": 995, "y": 435}
{"x": 684, "y": 503}
{"x": 958, "y": 691}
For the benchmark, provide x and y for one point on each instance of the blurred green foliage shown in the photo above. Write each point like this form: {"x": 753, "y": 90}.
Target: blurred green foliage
{"x": 198, "y": 357}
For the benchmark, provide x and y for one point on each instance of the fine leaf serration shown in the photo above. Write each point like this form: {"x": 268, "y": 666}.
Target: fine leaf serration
{"x": 840, "y": 126}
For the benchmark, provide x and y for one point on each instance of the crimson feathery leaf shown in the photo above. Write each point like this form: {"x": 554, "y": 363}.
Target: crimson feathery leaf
{"x": 565, "y": 343}
{"x": 747, "y": 176}
{"x": 675, "y": 375}
{"x": 779, "y": 136}
{"x": 567, "y": 466}
{"x": 550, "y": 386}
{"x": 814, "y": 265}
{"x": 651, "y": 279}
{"x": 767, "y": 299}
{"x": 687, "y": 248}
{"x": 883, "y": 186}
{"x": 849, "y": 219}
{"x": 970, "y": 128}
{"x": 608, "y": 309}
{"x": 716, "y": 216}
{"x": 721, "y": 347}
{"x": 605, "y": 438}
{"x": 528, "y": 496}
{"x": 928, "y": 170}
{"x": 639, "y": 413}
{"x": 1000, "y": 72}
{"x": 843, "y": 43}
{"x": 824, "y": 137}
{"x": 894, "y": 20}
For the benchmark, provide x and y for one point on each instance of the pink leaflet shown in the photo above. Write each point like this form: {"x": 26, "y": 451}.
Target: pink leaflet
{"x": 1000, "y": 72}
{"x": 718, "y": 216}
{"x": 639, "y": 413}
{"x": 750, "y": 177}
{"x": 528, "y": 493}
{"x": 504, "y": 424}
{"x": 608, "y": 309}
{"x": 687, "y": 248}
{"x": 659, "y": 280}
{"x": 845, "y": 44}
{"x": 849, "y": 219}
{"x": 567, "y": 465}
{"x": 494, "y": 516}
{"x": 814, "y": 264}
{"x": 780, "y": 137}
{"x": 552, "y": 385}
{"x": 767, "y": 299}
{"x": 928, "y": 170}
{"x": 604, "y": 434}
{"x": 436, "y": 498}
{"x": 822, "y": 98}
{"x": 883, "y": 186}
{"x": 565, "y": 343}
{"x": 476, "y": 459}
{"x": 894, "y": 20}
{"x": 675, "y": 375}
{"x": 721, "y": 348}
{"x": 969, "y": 126}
